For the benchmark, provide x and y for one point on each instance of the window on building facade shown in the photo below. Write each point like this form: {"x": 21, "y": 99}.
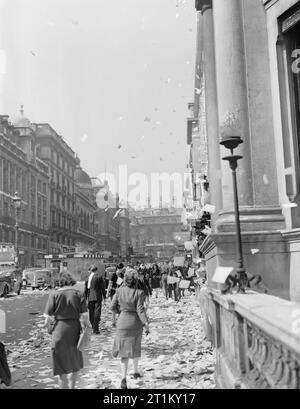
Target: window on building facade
{"x": 290, "y": 37}
{"x": 39, "y": 221}
{"x": 5, "y": 208}
{"x": 5, "y": 176}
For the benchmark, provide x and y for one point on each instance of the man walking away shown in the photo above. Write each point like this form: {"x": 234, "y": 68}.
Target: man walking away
{"x": 95, "y": 293}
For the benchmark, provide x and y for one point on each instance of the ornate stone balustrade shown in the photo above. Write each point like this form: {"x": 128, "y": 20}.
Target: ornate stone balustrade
{"x": 257, "y": 340}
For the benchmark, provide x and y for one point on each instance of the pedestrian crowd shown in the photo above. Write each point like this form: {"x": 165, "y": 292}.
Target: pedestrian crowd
{"x": 128, "y": 290}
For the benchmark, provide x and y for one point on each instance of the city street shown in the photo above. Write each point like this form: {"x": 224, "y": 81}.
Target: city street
{"x": 174, "y": 354}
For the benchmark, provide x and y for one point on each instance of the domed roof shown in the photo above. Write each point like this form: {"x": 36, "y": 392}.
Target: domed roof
{"x": 82, "y": 177}
{"x": 22, "y": 121}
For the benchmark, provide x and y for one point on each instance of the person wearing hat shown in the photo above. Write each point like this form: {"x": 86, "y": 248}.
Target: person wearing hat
{"x": 95, "y": 293}
{"x": 128, "y": 302}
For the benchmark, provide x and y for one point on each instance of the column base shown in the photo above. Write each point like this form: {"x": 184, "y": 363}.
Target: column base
{"x": 251, "y": 219}
{"x": 265, "y": 253}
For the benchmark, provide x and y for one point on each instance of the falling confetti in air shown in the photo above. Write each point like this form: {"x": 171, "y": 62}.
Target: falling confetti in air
{"x": 188, "y": 62}
{"x": 265, "y": 179}
{"x": 119, "y": 146}
{"x": 254, "y": 251}
{"x": 198, "y": 91}
{"x": 84, "y": 138}
{"x": 33, "y": 53}
{"x": 121, "y": 118}
{"x": 147, "y": 119}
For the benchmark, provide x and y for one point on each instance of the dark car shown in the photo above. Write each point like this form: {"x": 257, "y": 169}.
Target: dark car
{"x": 10, "y": 281}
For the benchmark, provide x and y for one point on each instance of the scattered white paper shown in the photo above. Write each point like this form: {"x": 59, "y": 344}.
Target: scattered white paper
{"x": 119, "y": 281}
{"x": 191, "y": 272}
{"x": 221, "y": 274}
{"x": 254, "y": 251}
{"x": 184, "y": 284}
{"x": 209, "y": 208}
{"x": 47, "y": 380}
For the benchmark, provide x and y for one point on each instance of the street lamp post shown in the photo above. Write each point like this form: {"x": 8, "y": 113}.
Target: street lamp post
{"x": 231, "y": 143}
{"x": 17, "y": 204}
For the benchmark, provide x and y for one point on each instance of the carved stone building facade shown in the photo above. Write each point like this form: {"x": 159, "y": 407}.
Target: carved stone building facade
{"x": 86, "y": 207}
{"x": 62, "y": 163}
{"x": 251, "y": 65}
{"x": 22, "y": 171}
{"x": 251, "y": 91}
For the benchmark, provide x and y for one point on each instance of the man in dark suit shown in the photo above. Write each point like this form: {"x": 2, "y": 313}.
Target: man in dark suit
{"x": 95, "y": 293}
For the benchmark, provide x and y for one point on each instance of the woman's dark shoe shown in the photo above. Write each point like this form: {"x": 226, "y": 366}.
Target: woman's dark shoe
{"x": 136, "y": 375}
{"x": 124, "y": 384}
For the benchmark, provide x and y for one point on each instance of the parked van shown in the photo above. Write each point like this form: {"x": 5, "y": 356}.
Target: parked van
{"x": 38, "y": 278}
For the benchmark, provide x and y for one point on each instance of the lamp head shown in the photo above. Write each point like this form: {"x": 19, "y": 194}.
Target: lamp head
{"x": 231, "y": 142}
{"x": 17, "y": 200}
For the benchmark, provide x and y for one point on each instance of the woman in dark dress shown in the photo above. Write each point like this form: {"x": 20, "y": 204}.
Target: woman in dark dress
{"x": 112, "y": 286}
{"x": 129, "y": 303}
{"x": 68, "y": 307}
{"x": 155, "y": 279}
{"x": 144, "y": 285}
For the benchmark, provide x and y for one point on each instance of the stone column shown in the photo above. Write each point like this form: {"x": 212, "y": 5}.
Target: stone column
{"x": 198, "y": 64}
{"x": 232, "y": 96}
{"x": 211, "y": 103}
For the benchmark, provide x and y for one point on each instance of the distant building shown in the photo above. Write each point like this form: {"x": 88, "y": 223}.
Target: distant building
{"x": 62, "y": 163}
{"x": 22, "y": 171}
{"x": 153, "y": 231}
{"x": 85, "y": 212}
{"x": 111, "y": 223}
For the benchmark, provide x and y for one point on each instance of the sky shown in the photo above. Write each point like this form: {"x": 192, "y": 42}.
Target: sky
{"x": 112, "y": 77}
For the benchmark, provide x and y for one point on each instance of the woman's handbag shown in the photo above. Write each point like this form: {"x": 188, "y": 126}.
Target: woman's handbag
{"x": 5, "y": 375}
{"x": 83, "y": 339}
